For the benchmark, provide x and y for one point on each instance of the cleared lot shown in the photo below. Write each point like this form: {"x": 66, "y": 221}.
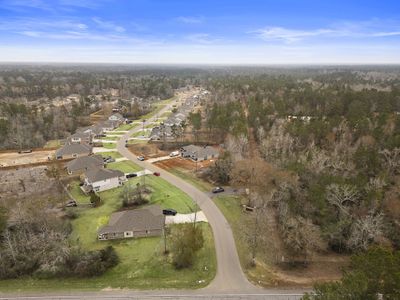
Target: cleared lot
{"x": 15, "y": 159}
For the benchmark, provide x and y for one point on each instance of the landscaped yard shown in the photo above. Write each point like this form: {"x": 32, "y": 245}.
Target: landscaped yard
{"x": 142, "y": 263}
{"x": 125, "y": 166}
{"x": 126, "y": 126}
{"x": 109, "y": 145}
{"x": 113, "y": 154}
{"x": 111, "y": 138}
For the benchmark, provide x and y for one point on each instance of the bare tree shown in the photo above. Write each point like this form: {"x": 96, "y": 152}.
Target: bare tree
{"x": 341, "y": 196}
{"x": 365, "y": 230}
{"x": 392, "y": 159}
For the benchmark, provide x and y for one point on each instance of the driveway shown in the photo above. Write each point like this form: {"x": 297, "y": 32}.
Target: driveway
{"x": 186, "y": 218}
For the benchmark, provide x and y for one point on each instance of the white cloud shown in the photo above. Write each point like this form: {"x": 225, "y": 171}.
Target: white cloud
{"x": 108, "y": 25}
{"x": 366, "y": 29}
{"x": 189, "y": 20}
{"x": 202, "y": 38}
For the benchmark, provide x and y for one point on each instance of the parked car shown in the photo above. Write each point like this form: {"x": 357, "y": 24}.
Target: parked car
{"x": 218, "y": 189}
{"x": 71, "y": 203}
{"x": 156, "y": 174}
{"x": 128, "y": 121}
{"x": 25, "y": 151}
{"x": 108, "y": 159}
{"x": 141, "y": 158}
{"x": 130, "y": 175}
{"x": 174, "y": 153}
{"x": 169, "y": 212}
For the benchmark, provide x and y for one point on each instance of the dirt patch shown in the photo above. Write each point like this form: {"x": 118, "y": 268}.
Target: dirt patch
{"x": 183, "y": 164}
{"x": 147, "y": 150}
{"x": 15, "y": 159}
{"x": 25, "y": 182}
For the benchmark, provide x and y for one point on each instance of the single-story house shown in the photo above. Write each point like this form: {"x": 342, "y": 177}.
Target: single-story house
{"x": 94, "y": 130}
{"x": 158, "y": 133}
{"x": 199, "y": 153}
{"x": 82, "y": 164}
{"x": 81, "y": 137}
{"x": 73, "y": 151}
{"x": 108, "y": 125}
{"x": 116, "y": 117}
{"x": 142, "y": 222}
{"x": 99, "y": 179}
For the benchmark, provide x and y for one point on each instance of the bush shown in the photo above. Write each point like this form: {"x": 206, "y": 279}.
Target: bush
{"x": 187, "y": 240}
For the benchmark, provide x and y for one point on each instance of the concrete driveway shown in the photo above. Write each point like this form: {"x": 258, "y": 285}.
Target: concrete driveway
{"x": 186, "y": 218}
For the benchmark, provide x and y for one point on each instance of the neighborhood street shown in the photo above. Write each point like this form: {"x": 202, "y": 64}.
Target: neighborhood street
{"x": 229, "y": 275}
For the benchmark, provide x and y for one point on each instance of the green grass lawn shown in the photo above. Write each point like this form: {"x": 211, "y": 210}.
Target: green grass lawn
{"x": 190, "y": 177}
{"x": 77, "y": 193}
{"x": 109, "y": 145}
{"x": 111, "y": 138}
{"x": 126, "y": 127}
{"x": 113, "y": 154}
{"x": 52, "y": 144}
{"x": 142, "y": 264}
{"x": 125, "y": 166}
{"x": 140, "y": 133}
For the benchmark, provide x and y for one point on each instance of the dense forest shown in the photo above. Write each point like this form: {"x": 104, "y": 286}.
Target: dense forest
{"x": 319, "y": 151}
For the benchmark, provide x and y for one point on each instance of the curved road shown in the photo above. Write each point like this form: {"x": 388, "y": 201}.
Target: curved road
{"x": 229, "y": 275}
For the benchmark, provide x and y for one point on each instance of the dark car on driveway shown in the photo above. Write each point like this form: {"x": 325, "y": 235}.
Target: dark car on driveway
{"x": 169, "y": 212}
{"x": 130, "y": 175}
{"x": 218, "y": 189}
{"x": 156, "y": 174}
{"x": 71, "y": 203}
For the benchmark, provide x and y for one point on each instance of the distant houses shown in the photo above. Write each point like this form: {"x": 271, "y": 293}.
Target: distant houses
{"x": 146, "y": 221}
{"x": 98, "y": 180}
{"x": 199, "y": 153}
{"x": 82, "y": 164}
{"x": 81, "y": 138}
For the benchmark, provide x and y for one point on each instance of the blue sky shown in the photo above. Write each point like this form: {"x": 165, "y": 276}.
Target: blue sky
{"x": 201, "y": 31}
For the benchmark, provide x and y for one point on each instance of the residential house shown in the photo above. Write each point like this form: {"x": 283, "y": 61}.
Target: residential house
{"x": 142, "y": 222}
{"x": 94, "y": 130}
{"x": 73, "y": 151}
{"x": 82, "y": 164}
{"x": 100, "y": 179}
{"x": 80, "y": 137}
{"x": 108, "y": 125}
{"x": 117, "y": 117}
{"x": 158, "y": 133}
{"x": 199, "y": 153}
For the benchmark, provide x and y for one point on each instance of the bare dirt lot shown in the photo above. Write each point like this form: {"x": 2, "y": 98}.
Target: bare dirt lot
{"x": 147, "y": 150}
{"x": 183, "y": 164}
{"x": 24, "y": 182}
{"x": 15, "y": 159}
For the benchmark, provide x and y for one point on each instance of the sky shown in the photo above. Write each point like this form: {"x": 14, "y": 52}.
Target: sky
{"x": 223, "y": 32}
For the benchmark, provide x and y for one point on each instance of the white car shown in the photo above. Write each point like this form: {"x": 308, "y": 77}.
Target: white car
{"x": 141, "y": 158}
{"x": 174, "y": 153}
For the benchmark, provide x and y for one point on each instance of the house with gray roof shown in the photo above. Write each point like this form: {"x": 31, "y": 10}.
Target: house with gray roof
{"x": 94, "y": 130}
{"x": 82, "y": 164}
{"x": 73, "y": 151}
{"x": 199, "y": 153}
{"x": 142, "y": 222}
{"x": 108, "y": 125}
{"x": 116, "y": 117}
{"x": 80, "y": 137}
{"x": 99, "y": 179}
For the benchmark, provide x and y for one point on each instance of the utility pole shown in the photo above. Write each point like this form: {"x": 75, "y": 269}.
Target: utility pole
{"x": 143, "y": 121}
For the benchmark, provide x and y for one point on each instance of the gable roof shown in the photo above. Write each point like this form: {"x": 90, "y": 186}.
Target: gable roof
{"x": 99, "y": 174}
{"x": 80, "y": 135}
{"x": 198, "y": 151}
{"x": 70, "y": 149}
{"x": 85, "y": 163}
{"x": 146, "y": 218}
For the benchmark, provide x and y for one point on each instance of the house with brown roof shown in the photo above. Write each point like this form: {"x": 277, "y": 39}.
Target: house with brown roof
{"x": 82, "y": 164}
{"x": 142, "y": 222}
